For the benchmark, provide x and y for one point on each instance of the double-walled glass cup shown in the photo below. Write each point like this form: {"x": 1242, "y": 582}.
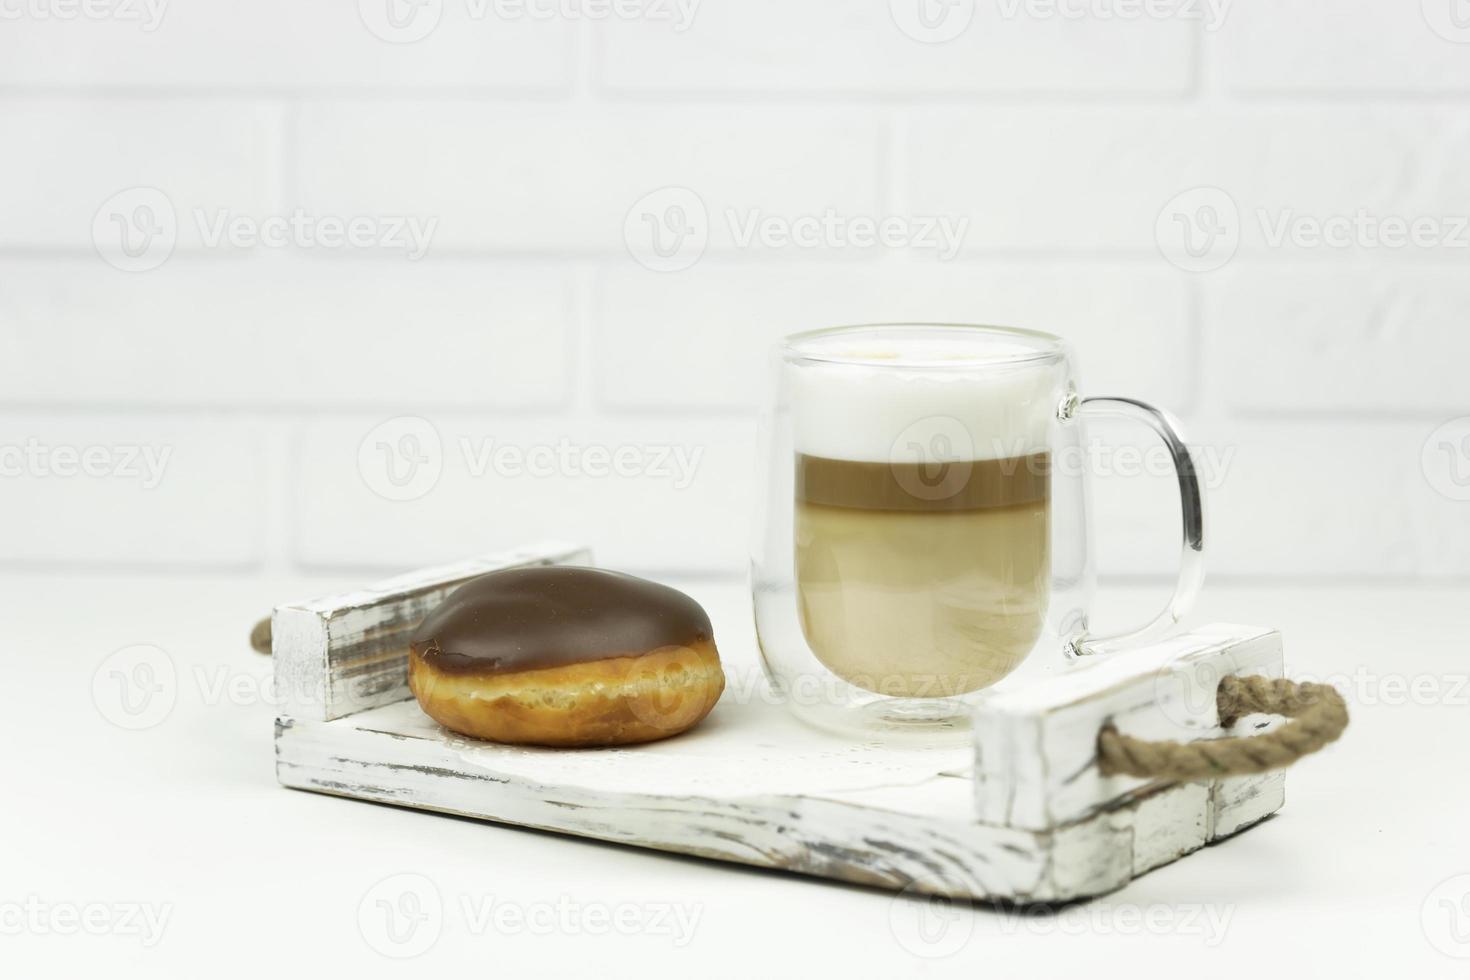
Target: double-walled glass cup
{"x": 924, "y": 530}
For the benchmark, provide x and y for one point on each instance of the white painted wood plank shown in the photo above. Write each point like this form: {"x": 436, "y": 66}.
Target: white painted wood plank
{"x": 823, "y": 835}
{"x": 753, "y": 785}
{"x": 1243, "y": 801}
{"x": 1036, "y": 748}
{"x": 339, "y": 654}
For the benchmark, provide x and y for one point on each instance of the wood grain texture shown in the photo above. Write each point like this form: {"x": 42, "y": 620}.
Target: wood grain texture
{"x": 1022, "y": 814}
{"x": 349, "y": 652}
{"x": 755, "y": 786}
{"x": 1035, "y": 747}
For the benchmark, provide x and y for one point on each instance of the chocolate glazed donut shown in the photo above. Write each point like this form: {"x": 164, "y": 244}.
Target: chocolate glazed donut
{"x": 565, "y": 656}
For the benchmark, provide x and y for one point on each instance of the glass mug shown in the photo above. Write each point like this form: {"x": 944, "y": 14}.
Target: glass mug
{"x": 918, "y": 540}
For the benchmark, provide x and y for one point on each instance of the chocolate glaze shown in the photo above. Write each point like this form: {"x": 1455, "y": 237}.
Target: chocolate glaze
{"x": 552, "y": 616}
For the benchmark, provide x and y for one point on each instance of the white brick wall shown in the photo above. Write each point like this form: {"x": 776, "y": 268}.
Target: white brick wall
{"x": 206, "y": 332}
{"x": 1314, "y": 154}
{"x": 560, "y": 178}
{"x": 1357, "y": 47}
{"x": 701, "y": 338}
{"x": 781, "y": 47}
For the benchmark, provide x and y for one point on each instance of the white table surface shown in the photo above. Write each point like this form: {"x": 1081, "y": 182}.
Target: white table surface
{"x": 185, "y": 819}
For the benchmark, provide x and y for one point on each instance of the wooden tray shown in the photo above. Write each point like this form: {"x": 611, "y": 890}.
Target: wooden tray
{"x": 1022, "y": 816}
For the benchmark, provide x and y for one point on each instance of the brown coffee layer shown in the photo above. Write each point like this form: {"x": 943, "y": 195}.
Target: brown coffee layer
{"x": 533, "y": 618}
{"x": 963, "y": 485}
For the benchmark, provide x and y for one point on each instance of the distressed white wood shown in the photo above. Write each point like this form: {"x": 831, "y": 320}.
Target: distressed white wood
{"x": 349, "y": 652}
{"x": 1036, "y": 823}
{"x": 1036, "y": 746}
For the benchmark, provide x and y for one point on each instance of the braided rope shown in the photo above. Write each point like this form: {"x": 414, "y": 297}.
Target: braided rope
{"x": 1317, "y": 712}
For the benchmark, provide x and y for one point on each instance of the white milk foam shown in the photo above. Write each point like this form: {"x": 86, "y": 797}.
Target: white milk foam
{"x": 938, "y": 399}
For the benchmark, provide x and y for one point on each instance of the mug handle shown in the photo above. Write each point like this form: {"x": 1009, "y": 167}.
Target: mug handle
{"x": 1192, "y": 510}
